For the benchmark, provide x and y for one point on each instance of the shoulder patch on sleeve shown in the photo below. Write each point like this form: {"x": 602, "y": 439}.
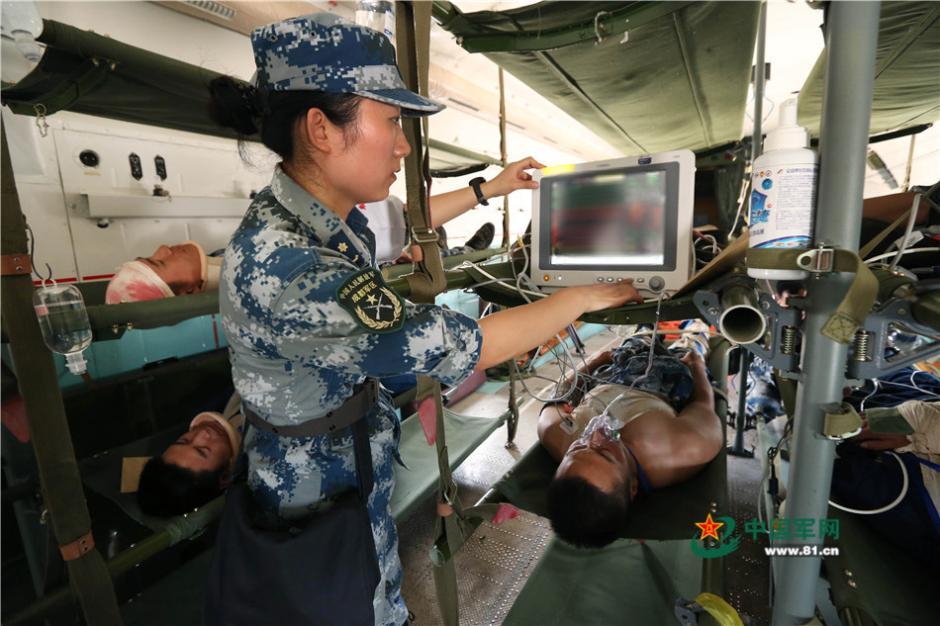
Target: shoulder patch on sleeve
{"x": 373, "y": 304}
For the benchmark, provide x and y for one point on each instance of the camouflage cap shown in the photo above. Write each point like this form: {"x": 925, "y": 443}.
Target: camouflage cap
{"x": 321, "y": 52}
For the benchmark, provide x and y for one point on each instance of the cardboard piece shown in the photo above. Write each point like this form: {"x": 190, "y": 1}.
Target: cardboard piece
{"x": 131, "y": 468}
{"x": 721, "y": 264}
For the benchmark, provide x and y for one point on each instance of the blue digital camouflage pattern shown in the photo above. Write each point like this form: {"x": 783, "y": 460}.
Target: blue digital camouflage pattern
{"x": 669, "y": 378}
{"x": 321, "y": 52}
{"x": 297, "y": 354}
{"x": 763, "y": 398}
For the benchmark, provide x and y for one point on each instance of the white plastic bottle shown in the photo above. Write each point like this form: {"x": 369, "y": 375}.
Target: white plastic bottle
{"x": 783, "y": 193}
{"x": 378, "y": 15}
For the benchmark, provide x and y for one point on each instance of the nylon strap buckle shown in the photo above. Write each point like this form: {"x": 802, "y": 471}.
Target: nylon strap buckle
{"x": 78, "y": 548}
{"x": 841, "y": 421}
{"x": 424, "y": 235}
{"x": 15, "y": 264}
{"x": 818, "y": 261}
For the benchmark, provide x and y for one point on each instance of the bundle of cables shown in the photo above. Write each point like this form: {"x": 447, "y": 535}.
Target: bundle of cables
{"x": 893, "y": 389}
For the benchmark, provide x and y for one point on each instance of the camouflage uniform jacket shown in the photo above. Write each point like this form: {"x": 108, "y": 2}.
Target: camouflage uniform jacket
{"x": 297, "y": 352}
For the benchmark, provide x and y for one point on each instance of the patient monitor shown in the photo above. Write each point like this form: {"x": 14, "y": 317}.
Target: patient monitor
{"x": 608, "y": 221}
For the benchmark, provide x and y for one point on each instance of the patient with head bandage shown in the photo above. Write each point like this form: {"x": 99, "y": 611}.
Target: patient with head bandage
{"x": 176, "y": 270}
{"x": 641, "y": 427}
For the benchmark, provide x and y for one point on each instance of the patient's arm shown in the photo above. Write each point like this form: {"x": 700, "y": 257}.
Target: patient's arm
{"x": 698, "y": 430}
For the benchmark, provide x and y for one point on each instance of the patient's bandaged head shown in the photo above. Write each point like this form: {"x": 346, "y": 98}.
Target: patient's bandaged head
{"x": 669, "y": 378}
{"x": 136, "y": 282}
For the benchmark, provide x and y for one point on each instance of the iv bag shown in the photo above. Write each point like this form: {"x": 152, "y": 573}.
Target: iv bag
{"x": 64, "y": 323}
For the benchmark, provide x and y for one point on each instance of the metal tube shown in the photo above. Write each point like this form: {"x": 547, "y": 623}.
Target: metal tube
{"x": 179, "y": 529}
{"x": 852, "y": 36}
{"x": 759, "y": 64}
{"x": 740, "y": 419}
{"x": 741, "y": 319}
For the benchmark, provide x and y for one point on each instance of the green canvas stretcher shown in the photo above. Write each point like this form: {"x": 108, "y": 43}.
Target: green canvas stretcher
{"x": 612, "y": 585}
{"x": 668, "y": 513}
{"x": 415, "y": 483}
{"x": 876, "y": 584}
{"x": 102, "y": 472}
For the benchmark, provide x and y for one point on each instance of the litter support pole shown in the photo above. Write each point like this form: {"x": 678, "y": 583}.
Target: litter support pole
{"x": 49, "y": 431}
{"x": 852, "y": 36}
{"x": 740, "y": 418}
{"x": 759, "y": 66}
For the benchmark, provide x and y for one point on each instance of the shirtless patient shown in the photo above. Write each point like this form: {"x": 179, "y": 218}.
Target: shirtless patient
{"x": 646, "y": 443}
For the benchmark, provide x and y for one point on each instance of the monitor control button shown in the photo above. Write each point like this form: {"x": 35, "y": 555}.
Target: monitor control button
{"x": 610, "y": 279}
{"x": 546, "y": 277}
{"x": 657, "y": 283}
{"x": 619, "y": 280}
{"x": 600, "y": 279}
{"x": 639, "y": 280}
{"x": 558, "y": 278}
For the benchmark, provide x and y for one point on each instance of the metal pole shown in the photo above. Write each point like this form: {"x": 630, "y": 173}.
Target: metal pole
{"x": 757, "y": 138}
{"x": 852, "y": 36}
{"x": 178, "y": 529}
{"x": 740, "y": 420}
{"x": 502, "y": 155}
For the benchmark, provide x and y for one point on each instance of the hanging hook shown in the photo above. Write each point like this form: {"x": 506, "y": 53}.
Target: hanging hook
{"x": 32, "y": 261}
{"x": 41, "y": 123}
{"x": 597, "y": 26}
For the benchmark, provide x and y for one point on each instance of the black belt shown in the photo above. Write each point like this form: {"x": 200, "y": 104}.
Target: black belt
{"x": 352, "y": 410}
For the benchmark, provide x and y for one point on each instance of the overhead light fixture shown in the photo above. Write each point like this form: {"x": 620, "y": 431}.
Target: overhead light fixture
{"x": 216, "y": 9}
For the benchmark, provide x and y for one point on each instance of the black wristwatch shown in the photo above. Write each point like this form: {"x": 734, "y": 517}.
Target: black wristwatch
{"x": 478, "y": 190}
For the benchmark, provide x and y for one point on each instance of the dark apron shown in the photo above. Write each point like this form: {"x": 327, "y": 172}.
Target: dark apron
{"x": 320, "y": 570}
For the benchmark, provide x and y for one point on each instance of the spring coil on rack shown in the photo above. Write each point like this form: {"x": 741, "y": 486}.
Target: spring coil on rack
{"x": 788, "y": 339}
{"x": 862, "y": 345}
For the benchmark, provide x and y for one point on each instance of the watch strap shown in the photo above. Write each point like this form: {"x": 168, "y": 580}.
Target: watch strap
{"x": 475, "y": 184}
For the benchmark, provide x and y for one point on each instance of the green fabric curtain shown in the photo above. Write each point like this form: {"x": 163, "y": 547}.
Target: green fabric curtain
{"x": 676, "y": 78}
{"x": 907, "y": 71}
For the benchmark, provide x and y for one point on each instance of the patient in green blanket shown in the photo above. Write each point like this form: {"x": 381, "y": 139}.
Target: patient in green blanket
{"x": 618, "y": 442}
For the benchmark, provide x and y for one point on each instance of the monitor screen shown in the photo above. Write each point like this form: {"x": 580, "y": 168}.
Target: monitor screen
{"x": 622, "y": 219}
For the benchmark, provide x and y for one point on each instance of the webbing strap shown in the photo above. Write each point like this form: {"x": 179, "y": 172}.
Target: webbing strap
{"x": 15, "y": 264}
{"x": 454, "y": 523}
{"x": 877, "y": 239}
{"x": 414, "y": 28}
{"x": 858, "y": 300}
{"x": 78, "y": 548}
{"x": 841, "y": 421}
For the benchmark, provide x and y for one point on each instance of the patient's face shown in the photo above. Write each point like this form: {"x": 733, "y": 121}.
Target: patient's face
{"x": 204, "y": 447}
{"x": 179, "y": 266}
{"x": 601, "y": 461}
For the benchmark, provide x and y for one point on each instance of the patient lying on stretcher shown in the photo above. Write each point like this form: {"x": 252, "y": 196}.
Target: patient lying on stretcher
{"x": 197, "y": 466}
{"x": 618, "y": 442}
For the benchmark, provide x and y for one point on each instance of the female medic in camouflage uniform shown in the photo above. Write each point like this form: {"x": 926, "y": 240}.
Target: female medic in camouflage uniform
{"x": 327, "y": 99}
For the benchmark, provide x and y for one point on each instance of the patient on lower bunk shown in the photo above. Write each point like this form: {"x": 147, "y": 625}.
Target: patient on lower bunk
{"x": 196, "y": 467}
{"x": 643, "y": 427}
